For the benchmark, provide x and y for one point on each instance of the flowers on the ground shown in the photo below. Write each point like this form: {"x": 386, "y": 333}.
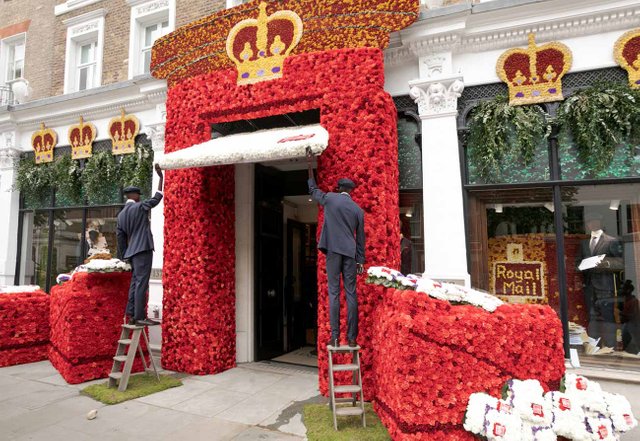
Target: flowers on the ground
{"x": 24, "y": 325}
{"x": 542, "y": 417}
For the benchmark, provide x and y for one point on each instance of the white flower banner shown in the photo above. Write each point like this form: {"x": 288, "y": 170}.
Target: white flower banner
{"x": 263, "y": 145}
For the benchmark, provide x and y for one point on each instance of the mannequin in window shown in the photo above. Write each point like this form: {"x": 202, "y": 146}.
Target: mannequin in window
{"x": 600, "y": 284}
{"x": 406, "y": 247}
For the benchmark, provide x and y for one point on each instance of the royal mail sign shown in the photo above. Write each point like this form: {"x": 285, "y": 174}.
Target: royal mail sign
{"x": 516, "y": 280}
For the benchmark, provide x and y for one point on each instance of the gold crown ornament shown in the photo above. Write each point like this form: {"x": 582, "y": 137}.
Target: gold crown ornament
{"x": 43, "y": 142}
{"x": 627, "y": 54}
{"x": 259, "y": 46}
{"x": 81, "y": 137}
{"x": 123, "y": 131}
{"x": 534, "y": 74}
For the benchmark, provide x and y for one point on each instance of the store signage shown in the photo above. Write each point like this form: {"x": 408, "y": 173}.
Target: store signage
{"x": 534, "y": 74}
{"x": 627, "y": 53}
{"x": 81, "y": 137}
{"x": 517, "y": 280}
{"x": 43, "y": 142}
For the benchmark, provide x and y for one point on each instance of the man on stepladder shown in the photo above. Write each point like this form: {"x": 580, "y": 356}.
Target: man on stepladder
{"x": 135, "y": 245}
{"x": 342, "y": 240}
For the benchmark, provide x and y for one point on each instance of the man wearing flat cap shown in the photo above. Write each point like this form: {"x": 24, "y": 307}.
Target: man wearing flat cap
{"x": 135, "y": 244}
{"x": 342, "y": 240}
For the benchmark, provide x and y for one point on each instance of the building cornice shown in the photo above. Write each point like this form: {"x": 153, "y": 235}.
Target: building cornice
{"x": 468, "y": 32}
{"x": 98, "y": 13}
{"x": 72, "y": 5}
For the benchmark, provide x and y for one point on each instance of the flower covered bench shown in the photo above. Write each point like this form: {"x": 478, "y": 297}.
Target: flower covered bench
{"x": 431, "y": 355}
{"x": 86, "y": 319}
{"x": 24, "y": 325}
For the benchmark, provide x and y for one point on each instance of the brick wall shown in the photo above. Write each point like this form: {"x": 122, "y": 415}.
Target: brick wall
{"x": 38, "y": 54}
{"x": 191, "y": 10}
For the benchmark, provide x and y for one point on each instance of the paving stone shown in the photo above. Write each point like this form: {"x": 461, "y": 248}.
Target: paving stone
{"x": 30, "y": 371}
{"x": 242, "y": 380}
{"x": 212, "y": 402}
{"x": 256, "y": 433}
{"x": 175, "y": 395}
{"x": 255, "y": 409}
{"x": 210, "y": 429}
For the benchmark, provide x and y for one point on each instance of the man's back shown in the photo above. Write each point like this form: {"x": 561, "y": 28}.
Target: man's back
{"x": 134, "y": 228}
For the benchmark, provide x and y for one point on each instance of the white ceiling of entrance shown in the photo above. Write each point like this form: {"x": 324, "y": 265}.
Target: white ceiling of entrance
{"x": 263, "y": 145}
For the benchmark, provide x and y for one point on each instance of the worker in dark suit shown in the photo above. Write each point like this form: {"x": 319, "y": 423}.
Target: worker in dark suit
{"x": 135, "y": 245}
{"x": 342, "y": 240}
{"x": 600, "y": 283}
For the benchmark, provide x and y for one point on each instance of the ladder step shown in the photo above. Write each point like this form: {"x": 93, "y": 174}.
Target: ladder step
{"x": 345, "y": 367}
{"x": 347, "y": 388}
{"x": 120, "y": 358}
{"x": 132, "y": 327}
{"x": 349, "y": 411}
{"x": 126, "y": 341}
{"x": 343, "y": 348}
{"x": 115, "y": 375}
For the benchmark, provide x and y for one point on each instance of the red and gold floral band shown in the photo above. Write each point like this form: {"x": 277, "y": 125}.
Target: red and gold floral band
{"x": 81, "y": 137}
{"x": 534, "y": 74}
{"x": 627, "y": 54}
{"x": 218, "y": 41}
{"x": 123, "y": 131}
{"x": 43, "y": 142}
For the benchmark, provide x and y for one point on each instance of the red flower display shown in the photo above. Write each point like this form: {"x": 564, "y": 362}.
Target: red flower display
{"x": 430, "y": 356}
{"x": 86, "y": 319}
{"x": 24, "y": 327}
{"x": 347, "y": 85}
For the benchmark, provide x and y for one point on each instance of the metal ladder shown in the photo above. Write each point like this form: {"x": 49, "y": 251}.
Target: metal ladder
{"x": 128, "y": 346}
{"x": 354, "y": 388}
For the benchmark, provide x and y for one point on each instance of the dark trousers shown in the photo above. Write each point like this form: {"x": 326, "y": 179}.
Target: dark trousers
{"x": 141, "y": 272}
{"x": 338, "y": 264}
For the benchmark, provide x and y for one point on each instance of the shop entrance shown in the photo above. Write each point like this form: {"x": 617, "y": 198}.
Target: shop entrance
{"x": 285, "y": 264}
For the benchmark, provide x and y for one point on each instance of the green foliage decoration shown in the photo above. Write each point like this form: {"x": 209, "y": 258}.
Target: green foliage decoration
{"x": 100, "y": 178}
{"x": 137, "y": 168}
{"x": 497, "y": 130}
{"x": 35, "y": 181}
{"x": 597, "y": 120}
{"x": 67, "y": 175}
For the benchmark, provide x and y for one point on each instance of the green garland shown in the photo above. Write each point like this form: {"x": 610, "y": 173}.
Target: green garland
{"x": 34, "y": 181}
{"x": 136, "y": 169}
{"x": 497, "y": 129}
{"x": 599, "y": 119}
{"x": 100, "y": 178}
{"x": 68, "y": 182}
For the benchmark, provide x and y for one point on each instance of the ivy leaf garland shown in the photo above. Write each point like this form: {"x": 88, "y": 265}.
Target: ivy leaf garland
{"x": 599, "y": 119}
{"x": 67, "y": 175}
{"x": 137, "y": 168}
{"x": 497, "y": 129}
{"x": 34, "y": 181}
{"x": 100, "y": 178}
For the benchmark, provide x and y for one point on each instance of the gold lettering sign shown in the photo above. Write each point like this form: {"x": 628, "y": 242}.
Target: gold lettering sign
{"x": 516, "y": 280}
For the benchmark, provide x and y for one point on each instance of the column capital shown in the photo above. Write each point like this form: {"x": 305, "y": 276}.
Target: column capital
{"x": 437, "y": 96}
{"x": 8, "y": 153}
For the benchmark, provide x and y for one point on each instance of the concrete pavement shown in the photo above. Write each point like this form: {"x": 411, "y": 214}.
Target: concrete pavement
{"x": 254, "y": 401}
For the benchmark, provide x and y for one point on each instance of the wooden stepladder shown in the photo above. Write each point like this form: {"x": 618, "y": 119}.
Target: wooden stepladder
{"x": 128, "y": 348}
{"x": 354, "y": 388}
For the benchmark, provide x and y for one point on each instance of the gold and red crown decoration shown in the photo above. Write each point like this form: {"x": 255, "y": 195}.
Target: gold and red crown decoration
{"x": 81, "y": 137}
{"x": 259, "y": 46}
{"x": 43, "y": 142}
{"x": 123, "y": 131}
{"x": 200, "y": 47}
{"x": 627, "y": 54}
{"x": 534, "y": 74}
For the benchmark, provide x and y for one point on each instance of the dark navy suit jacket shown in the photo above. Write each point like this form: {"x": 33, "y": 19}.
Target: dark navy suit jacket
{"x": 343, "y": 228}
{"x": 134, "y": 227}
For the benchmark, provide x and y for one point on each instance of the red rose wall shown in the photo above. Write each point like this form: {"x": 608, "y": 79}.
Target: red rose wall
{"x": 199, "y": 262}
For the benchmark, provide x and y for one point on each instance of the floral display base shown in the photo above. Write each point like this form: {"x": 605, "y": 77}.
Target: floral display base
{"x": 86, "y": 319}
{"x": 430, "y": 355}
{"x": 24, "y": 327}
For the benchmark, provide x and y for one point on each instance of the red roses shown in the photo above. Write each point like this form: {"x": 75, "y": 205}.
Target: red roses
{"x": 24, "y": 327}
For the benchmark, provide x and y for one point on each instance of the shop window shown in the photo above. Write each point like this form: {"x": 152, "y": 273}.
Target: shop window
{"x": 625, "y": 163}
{"x": 67, "y": 242}
{"x": 12, "y": 53}
{"x": 411, "y": 241}
{"x": 409, "y": 153}
{"x": 34, "y": 248}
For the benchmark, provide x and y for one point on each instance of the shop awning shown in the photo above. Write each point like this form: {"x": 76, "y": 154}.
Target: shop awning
{"x": 263, "y": 145}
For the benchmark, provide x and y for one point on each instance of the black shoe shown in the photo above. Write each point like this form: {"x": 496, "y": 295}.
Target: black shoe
{"x": 352, "y": 344}
{"x": 146, "y": 322}
{"x": 334, "y": 342}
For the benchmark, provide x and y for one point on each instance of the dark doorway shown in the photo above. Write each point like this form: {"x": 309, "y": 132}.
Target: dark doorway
{"x": 269, "y": 262}
{"x": 285, "y": 262}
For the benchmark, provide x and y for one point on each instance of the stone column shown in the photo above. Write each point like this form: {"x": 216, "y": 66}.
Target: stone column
{"x": 10, "y": 203}
{"x": 155, "y": 132}
{"x": 444, "y": 233}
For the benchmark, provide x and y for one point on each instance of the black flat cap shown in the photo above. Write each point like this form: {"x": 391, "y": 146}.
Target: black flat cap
{"x": 346, "y": 183}
{"x": 132, "y": 189}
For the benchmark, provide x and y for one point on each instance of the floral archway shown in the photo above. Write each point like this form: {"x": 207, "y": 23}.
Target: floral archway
{"x": 338, "y": 68}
